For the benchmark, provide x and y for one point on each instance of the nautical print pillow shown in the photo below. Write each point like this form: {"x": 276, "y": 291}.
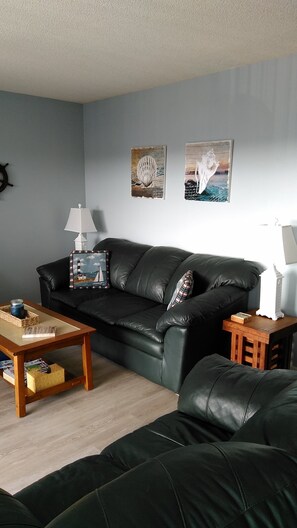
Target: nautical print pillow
{"x": 89, "y": 269}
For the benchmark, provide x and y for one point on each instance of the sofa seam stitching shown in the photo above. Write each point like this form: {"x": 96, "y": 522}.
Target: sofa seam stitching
{"x": 212, "y": 388}
{"x": 175, "y": 493}
{"x": 166, "y": 437}
{"x": 237, "y": 479}
{"x": 101, "y": 505}
{"x": 264, "y": 499}
{"x": 255, "y": 388}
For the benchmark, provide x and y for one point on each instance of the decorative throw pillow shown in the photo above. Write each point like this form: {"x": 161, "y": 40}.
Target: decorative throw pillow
{"x": 183, "y": 289}
{"x": 89, "y": 269}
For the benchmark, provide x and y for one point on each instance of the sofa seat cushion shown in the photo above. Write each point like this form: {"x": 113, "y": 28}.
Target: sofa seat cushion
{"x": 169, "y": 432}
{"x": 139, "y": 342}
{"x": 114, "y": 306}
{"x": 210, "y": 485}
{"x": 74, "y": 298}
{"x": 145, "y": 322}
{"x": 227, "y": 394}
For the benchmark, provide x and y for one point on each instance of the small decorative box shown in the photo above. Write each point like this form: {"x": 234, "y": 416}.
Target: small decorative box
{"x": 37, "y": 381}
{"x": 31, "y": 319}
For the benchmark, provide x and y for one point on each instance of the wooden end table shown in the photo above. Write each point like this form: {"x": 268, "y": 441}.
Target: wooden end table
{"x": 68, "y": 333}
{"x": 261, "y": 342}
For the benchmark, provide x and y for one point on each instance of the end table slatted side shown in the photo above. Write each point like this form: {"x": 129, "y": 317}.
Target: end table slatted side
{"x": 261, "y": 342}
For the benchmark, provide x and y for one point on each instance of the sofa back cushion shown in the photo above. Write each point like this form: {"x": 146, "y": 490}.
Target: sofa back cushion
{"x": 153, "y": 272}
{"x": 275, "y": 424}
{"x": 212, "y": 271}
{"x": 123, "y": 258}
{"x": 227, "y": 394}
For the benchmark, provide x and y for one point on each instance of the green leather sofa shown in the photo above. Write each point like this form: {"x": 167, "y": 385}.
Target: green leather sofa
{"x": 134, "y": 327}
{"x": 227, "y": 457}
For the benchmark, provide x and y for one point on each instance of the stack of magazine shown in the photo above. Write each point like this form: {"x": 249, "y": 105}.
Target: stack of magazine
{"x": 30, "y": 332}
{"x": 38, "y": 365}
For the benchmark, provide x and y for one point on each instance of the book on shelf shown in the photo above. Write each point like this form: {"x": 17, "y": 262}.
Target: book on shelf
{"x": 8, "y": 375}
{"x": 36, "y": 365}
{"x": 6, "y": 363}
{"x": 30, "y": 332}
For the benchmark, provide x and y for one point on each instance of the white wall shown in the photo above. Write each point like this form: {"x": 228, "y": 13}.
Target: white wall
{"x": 256, "y": 106}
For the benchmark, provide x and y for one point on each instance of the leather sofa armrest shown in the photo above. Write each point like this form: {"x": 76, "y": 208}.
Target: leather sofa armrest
{"x": 199, "y": 308}
{"x": 56, "y": 273}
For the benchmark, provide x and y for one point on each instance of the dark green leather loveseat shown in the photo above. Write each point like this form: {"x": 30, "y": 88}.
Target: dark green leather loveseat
{"x": 226, "y": 458}
{"x": 134, "y": 327}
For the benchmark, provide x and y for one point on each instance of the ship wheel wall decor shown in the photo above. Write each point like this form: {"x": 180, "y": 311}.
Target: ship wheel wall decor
{"x": 4, "y": 178}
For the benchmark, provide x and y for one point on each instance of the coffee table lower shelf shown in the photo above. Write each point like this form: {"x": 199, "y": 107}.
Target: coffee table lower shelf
{"x": 70, "y": 382}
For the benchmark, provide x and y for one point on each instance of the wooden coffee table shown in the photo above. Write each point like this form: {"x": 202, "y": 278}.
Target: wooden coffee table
{"x": 68, "y": 333}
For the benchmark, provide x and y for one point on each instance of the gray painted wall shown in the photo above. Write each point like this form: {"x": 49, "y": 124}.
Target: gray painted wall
{"x": 42, "y": 140}
{"x": 256, "y": 106}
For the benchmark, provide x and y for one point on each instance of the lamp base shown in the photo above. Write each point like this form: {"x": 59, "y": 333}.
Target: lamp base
{"x": 271, "y": 315}
{"x": 80, "y": 243}
{"x": 270, "y": 296}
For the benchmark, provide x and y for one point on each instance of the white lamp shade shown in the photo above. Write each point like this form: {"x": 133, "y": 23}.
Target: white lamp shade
{"x": 289, "y": 244}
{"x": 278, "y": 245}
{"x": 80, "y": 221}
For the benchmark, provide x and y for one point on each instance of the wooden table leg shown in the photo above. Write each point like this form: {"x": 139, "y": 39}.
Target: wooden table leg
{"x": 20, "y": 388}
{"x": 259, "y": 355}
{"x": 87, "y": 362}
{"x": 236, "y": 347}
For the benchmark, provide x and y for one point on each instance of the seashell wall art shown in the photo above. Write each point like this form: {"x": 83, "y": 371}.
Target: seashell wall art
{"x": 148, "y": 165}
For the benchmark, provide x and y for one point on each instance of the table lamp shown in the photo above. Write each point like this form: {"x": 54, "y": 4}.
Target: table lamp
{"x": 80, "y": 221}
{"x": 282, "y": 248}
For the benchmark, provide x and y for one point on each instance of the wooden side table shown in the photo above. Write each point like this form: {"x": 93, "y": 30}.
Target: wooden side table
{"x": 261, "y": 342}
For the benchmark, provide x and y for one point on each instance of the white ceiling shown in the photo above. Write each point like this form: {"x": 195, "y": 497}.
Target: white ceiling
{"x": 84, "y": 50}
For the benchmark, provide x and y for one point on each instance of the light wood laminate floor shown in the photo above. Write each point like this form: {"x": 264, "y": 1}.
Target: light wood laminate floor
{"x": 77, "y": 423}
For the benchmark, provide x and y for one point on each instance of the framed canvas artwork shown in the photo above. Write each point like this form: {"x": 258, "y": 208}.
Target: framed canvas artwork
{"x": 148, "y": 171}
{"x": 208, "y": 171}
